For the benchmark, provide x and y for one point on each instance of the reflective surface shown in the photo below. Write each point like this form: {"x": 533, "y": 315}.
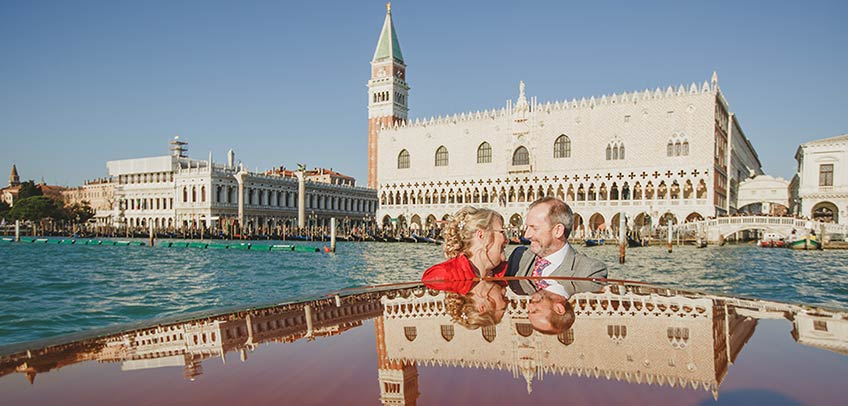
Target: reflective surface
{"x": 627, "y": 343}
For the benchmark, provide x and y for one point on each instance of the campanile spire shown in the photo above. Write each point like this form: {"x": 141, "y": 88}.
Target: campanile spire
{"x": 387, "y": 90}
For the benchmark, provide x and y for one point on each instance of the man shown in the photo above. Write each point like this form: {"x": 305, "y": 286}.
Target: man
{"x": 549, "y": 222}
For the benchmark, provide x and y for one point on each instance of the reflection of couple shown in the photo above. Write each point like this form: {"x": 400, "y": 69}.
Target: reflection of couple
{"x": 474, "y": 244}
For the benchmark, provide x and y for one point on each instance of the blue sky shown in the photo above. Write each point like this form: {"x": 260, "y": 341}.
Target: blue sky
{"x": 83, "y": 82}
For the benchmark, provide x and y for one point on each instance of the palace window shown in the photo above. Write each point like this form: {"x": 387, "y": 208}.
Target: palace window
{"x": 442, "y": 156}
{"x": 489, "y": 333}
{"x": 447, "y": 332}
{"x": 403, "y": 160}
{"x": 410, "y": 333}
{"x": 566, "y": 337}
{"x": 826, "y": 175}
{"x": 484, "y": 153}
{"x": 562, "y": 147}
{"x": 615, "y": 150}
{"x": 520, "y": 157}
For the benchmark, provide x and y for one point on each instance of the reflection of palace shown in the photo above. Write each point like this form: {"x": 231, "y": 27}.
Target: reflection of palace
{"x": 187, "y": 344}
{"x": 651, "y": 336}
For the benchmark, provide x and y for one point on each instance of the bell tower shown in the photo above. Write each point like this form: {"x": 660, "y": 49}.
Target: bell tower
{"x": 387, "y": 90}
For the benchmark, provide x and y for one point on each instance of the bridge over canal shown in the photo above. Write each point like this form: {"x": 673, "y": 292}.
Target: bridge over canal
{"x": 723, "y": 227}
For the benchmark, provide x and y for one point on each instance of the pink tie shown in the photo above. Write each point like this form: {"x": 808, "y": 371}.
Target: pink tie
{"x": 541, "y": 263}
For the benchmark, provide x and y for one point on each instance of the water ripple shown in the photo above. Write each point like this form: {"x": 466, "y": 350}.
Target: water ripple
{"x": 52, "y": 289}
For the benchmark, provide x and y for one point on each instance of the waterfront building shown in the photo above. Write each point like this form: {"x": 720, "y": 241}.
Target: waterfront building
{"x": 821, "y": 183}
{"x": 10, "y": 193}
{"x": 673, "y": 154}
{"x": 175, "y": 191}
{"x": 764, "y": 195}
{"x": 100, "y": 196}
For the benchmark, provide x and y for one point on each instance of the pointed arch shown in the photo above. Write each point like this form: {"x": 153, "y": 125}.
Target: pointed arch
{"x": 403, "y": 159}
{"x": 441, "y": 157}
{"x": 520, "y": 156}
{"x": 562, "y": 147}
{"x": 484, "y": 153}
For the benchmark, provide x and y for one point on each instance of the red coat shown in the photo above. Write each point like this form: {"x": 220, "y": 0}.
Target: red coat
{"x": 455, "y": 275}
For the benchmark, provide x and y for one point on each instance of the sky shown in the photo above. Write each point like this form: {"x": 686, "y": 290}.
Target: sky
{"x": 83, "y": 82}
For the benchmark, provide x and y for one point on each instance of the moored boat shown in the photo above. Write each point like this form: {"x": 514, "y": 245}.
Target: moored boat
{"x": 594, "y": 242}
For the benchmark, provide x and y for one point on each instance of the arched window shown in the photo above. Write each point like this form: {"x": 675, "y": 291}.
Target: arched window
{"x": 410, "y": 333}
{"x": 447, "y": 332}
{"x": 489, "y": 333}
{"x": 193, "y": 194}
{"x": 677, "y": 148}
{"x": 684, "y": 149}
{"x": 520, "y": 157}
{"x": 442, "y": 156}
{"x": 484, "y": 153}
{"x": 185, "y": 194}
{"x": 562, "y": 147}
{"x": 609, "y": 152}
{"x": 403, "y": 159}
{"x": 203, "y": 193}
{"x": 670, "y": 149}
{"x": 621, "y": 151}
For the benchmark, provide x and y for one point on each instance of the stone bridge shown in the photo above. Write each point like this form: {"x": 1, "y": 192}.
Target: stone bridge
{"x": 716, "y": 229}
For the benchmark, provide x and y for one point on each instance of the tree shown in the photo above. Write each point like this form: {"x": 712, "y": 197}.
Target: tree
{"x": 4, "y": 209}
{"x": 28, "y": 189}
{"x": 36, "y": 208}
{"x": 80, "y": 212}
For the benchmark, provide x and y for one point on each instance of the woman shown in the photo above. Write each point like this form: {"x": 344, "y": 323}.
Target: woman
{"x": 474, "y": 242}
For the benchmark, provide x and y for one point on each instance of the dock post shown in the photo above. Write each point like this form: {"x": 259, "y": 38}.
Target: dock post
{"x": 669, "y": 235}
{"x": 332, "y": 234}
{"x": 308, "y": 316}
{"x": 17, "y": 230}
{"x": 622, "y": 237}
{"x": 150, "y": 234}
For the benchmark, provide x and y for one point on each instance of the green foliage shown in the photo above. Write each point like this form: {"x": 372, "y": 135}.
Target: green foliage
{"x": 28, "y": 189}
{"x": 4, "y": 208}
{"x": 80, "y": 213}
{"x": 37, "y": 208}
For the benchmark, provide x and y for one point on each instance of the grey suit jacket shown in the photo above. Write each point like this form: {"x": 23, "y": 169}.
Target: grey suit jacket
{"x": 574, "y": 265}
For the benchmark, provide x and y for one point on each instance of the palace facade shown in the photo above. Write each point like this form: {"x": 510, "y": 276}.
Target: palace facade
{"x": 821, "y": 186}
{"x": 174, "y": 191}
{"x": 672, "y": 154}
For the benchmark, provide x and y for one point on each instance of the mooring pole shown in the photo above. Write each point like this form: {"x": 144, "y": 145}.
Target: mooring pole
{"x": 332, "y": 234}
{"x": 622, "y": 237}
{"x": 669, "y": 236}
{"x": 17, "y": 230}
{"x": 150, "y": 234}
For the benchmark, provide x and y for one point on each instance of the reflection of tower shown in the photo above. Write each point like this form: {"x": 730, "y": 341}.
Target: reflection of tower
{"x": 398, "y": 380}
{"x": 387, "y": 91}
{"x": 192, "y": 367}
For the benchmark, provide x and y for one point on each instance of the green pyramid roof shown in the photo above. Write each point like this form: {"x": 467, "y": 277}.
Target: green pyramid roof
{"x": 388, "y": 45}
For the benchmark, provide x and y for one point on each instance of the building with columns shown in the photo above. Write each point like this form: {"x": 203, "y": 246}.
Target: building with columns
{"x": 821, "y": 184}
{"x": 674, "y": 154}
{"x": 175, "y": 191}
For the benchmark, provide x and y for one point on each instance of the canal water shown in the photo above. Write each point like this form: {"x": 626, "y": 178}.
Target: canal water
{"x": 49, "y": 290}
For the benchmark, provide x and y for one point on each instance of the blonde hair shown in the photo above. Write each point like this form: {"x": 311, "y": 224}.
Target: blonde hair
{"x": 463, "y": 311}
{"x": 461, "y": 227}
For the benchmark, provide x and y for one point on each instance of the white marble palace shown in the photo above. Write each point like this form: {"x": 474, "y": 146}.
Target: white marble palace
{"x": 174, "y": 191}
{"x": 671, "y": 154}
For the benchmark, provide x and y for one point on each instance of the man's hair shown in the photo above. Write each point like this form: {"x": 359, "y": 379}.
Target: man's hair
{"x": 559, "y": 323}
{"x": 559, "y": 213}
